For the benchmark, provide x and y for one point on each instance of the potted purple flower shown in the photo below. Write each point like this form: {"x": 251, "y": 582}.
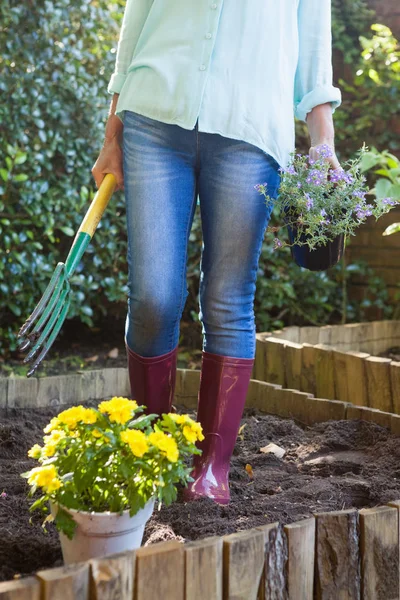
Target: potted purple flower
{"x": 321, "y": 207}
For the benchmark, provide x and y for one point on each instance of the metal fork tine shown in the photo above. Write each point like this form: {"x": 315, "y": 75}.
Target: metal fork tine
{"x": 43, "y": 301}
{"x": 60, "y": 286}
{"x": 32, "y": 336}
{"x": 51, "y": 339}
{"x": 49, "y": 326}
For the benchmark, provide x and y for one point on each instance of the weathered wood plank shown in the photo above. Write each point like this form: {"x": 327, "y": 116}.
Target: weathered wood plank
{"x": 300, "y": 565}
{"x": 274, "y": 586}
{"x": 375, "y": 415}
{"x": 203, "y": 569}
{"x": 324, "y": 372}
{"x": 160, "y": 572}
{"x": 396, "y": 504}
{"x": 275, "y": 360}
{"x": 243, "y": 565}
{"x": 308, "y": 382}
{"x": 21, "y": 589}
{"x": 320, "y": 410}
{"x": 293, "y": 362}
{"x": 350, "y": 378}
{"x": 65, "y": 583}
{"x": 379, "y": 537}
{"x": 395, "y": 386}
{"x": 337, "y": 573}
{"x": 112, "y": 578}
{"x": 260, "y": 362}
{"x": 378, "y": 383}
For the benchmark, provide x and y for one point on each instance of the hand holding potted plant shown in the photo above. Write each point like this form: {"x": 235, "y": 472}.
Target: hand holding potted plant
{"x": 102, "y": 469}
{"x": 322, "y": 206}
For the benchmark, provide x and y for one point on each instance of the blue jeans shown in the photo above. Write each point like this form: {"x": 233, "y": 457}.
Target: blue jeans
{"x": 165, "y": 168}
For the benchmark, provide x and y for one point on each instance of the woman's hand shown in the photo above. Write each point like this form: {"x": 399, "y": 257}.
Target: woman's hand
{"x": 315, "y": 154}
{"x": 110, "y": 157}
{"x": 322, "y": 133}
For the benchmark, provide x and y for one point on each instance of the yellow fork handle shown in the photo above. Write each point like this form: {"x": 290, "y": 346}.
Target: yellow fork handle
{"x": 98, "y": 205}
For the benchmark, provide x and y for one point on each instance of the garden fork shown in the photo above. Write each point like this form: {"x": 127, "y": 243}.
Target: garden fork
{"x": 50, "y": 313}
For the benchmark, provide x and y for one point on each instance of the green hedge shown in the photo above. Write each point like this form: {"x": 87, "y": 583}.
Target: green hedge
{"x": 55, "y": 64}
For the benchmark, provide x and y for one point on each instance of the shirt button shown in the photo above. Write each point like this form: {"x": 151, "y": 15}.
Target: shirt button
{"x": 208, "y": 36}
{"x": 213, "y": 6}
{"x": 202, "y": 67}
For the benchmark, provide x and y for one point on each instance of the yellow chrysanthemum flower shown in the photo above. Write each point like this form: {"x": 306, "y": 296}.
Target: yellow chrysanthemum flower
{"x": 189, "y": 434}
{"x": 77, "y": 414}
{"x": 35, "y": 451}
{"x": 166, "y": 444}
{"x": 118, "y": 409}
{"x": 96, "y": 433}
{"x": 46, "y": 478}
{"x": 54, "y": 423}
{"x": 136, "y": 440}
{"x": 179, "y": 419}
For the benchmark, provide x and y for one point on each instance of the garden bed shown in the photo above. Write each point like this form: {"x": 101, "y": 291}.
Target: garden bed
{"x": 328, "y": 466}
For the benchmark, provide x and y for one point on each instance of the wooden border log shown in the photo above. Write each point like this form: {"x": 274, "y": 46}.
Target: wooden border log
{"x": 290, "y": 334}
{"x": 275, "y": 360}
{"x": 395, "y": 385}
{"x": 203, "y": 569}
{"x": 293, "y": 364}
{"x": 324, "y": 372}
{"x": 260, "y": 362}
{"x": 325, "y": 335}
{"x": 65, "y": 583}
{"x": 369, "y": 414}
{"x": 308, "y": 383}
{"x": 274, "y": 580}
{"x": 396, "y": 504}
{"x": 350, "y": 377}
{"x": 190, "y": 387}
{"x": 379, "y": 537}
{"x": 378, "y": 383}
{"x": 319, "y": 410}
{"x": 112, "y": 577}
{"x": 269, "y": 398}
{"x": 20, "y": 589}
{"x": 300, "y": 564}
{"x": 337, "y": 570}
{"x": 243, "y": 560}
{"x": 309, "y": 335}
{"x": 160, "y": 572}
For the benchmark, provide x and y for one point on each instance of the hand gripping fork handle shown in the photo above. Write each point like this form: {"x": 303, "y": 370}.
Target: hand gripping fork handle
{"x": 42, "y": 327}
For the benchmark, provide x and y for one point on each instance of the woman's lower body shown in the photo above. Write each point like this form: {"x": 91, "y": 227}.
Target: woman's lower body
{"x": 165, "y": 168}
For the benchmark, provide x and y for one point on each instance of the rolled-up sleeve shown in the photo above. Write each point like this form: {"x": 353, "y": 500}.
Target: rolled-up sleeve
{"x": 314, "y": 73}
{"x": 135, "y": 15}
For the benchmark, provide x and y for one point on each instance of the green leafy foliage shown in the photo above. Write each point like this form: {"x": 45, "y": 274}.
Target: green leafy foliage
{"x": 55, "y": 63}
{"x": 370, "y": 108}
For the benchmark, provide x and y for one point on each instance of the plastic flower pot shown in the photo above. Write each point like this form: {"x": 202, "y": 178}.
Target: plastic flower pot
{"x": 319, "y": 259}
{"x": 101, "y": 534}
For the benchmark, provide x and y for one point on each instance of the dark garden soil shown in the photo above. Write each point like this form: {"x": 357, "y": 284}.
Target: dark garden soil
{"x": 330, "y": 466}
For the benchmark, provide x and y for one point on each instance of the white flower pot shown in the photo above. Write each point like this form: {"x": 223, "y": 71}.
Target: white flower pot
{"x": 101, "y": 534}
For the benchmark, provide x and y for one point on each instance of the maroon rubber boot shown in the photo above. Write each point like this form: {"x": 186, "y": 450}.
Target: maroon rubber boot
{"x": 224, "y": 382}
{"x": 152, "y": 380}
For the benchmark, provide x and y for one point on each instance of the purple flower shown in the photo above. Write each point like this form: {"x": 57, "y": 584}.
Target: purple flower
{"x": 324, "y": 151}
{"x": 3, "y": 495}
{"x": 389, "y": 201}
{"x": 277, "y": 243}
{"x": 340, "y": 174}
{"x": 260, "y": 187}
{"x": 359, "y": 194}
{"x": 316, "y": 177}
{"x": 323, "y": 213}
{"x": 299, "y": 185}
{"x": 310, "y": 201}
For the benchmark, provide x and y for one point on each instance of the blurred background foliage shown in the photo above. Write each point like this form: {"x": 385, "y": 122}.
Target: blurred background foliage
{"x": 55, "y": 64}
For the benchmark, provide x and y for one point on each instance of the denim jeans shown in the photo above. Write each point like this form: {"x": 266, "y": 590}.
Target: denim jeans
{"x": 166, "y": 168}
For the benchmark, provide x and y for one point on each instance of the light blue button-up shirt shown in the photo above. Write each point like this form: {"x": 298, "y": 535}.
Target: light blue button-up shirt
{"x": 243, "y": 68}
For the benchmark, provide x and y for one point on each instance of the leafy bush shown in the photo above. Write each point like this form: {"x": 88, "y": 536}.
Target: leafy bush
{"x": 55, "y": 64}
